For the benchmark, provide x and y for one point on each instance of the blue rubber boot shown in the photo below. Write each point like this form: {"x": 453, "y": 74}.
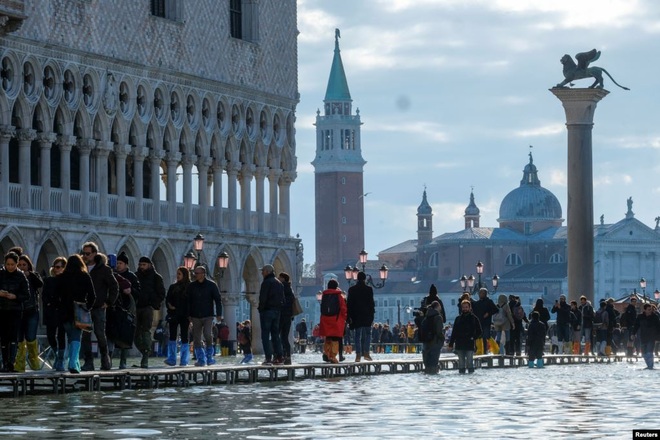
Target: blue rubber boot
{"x": 210, "y": 351}
{"x": 247, "y": 359}
{"x": 59, "y": 360}
{"x": 530, "y": 364}
{"x": 171, "y": 353}
{"x": 185, "y": 355}
{"x": 539, "y": 363}
{"x": 74, "y": 357}
{"x": 201, "y": 357}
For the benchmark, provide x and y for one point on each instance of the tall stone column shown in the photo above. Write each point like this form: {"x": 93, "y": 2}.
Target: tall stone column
{"x": 25, "y": 138}
{"x": 259, "y": 175}
{"x": 285, "y": 201}
{"x": 155, "y": 158}
{"x": 187, "y": 161}
{"x": 45, "y": 143}
{"x": 139, "y": 154}
{"x": 84, "y": 149}
{"x": 203, "y": 164}
{"x": 218, "y": 166}
{"x": 257, "y": 344}
{"x": 274, "y": 179}
{"x": 121, "y": 153}
{"x": 65, "y": 143}
{"x": 232, "y": 177}
{"x": 102, "y": 152}
{"x": 173, "y": 159}
{"x": 580, "y": 106}
{"x": 246, "y": 195}
{"x": 6, "y": 133}
{"x": 230, "y": 303}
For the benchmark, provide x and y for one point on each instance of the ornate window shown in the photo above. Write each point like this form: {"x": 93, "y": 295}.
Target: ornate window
{"x": 513, "y": 260}
{"x": 556, "y": 258}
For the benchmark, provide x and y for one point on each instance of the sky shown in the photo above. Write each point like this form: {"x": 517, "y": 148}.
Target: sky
{"x": 452, "y": 94}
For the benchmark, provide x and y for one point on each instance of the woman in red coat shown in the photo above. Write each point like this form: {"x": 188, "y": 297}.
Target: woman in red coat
{"x": 333, "y": 320}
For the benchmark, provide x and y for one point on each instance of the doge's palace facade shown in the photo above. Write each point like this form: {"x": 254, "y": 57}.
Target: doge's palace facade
{"x": 138, "y": 124}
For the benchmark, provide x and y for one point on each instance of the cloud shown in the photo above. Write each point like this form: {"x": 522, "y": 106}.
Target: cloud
{"x": 545, "y": 130}
{"x": 424, "y": 129}
{"x": 558, "y": 177}
{"x": 636, "y": 142}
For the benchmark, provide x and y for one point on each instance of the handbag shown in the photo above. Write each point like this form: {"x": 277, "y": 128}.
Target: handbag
{"x": 82, "y": 317}
{"x": 296, "y": 307}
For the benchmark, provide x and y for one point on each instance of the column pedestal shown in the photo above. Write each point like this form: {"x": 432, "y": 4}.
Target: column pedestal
{"x": 580, "y": 106}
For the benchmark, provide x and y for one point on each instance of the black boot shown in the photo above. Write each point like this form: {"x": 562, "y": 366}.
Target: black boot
{"x": 144, "y": 363}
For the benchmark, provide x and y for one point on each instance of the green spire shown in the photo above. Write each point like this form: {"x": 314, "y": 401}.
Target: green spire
{"x": 337, "y": 85}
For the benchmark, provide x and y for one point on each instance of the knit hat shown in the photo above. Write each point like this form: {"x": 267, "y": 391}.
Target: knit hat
{"x": 145, "y": 259}
{"x": 122, "y": 257}
{"x": 433, "y": 291}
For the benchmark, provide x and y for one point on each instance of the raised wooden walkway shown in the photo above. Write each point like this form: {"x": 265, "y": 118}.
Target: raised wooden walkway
{"x": 51, "y": 382}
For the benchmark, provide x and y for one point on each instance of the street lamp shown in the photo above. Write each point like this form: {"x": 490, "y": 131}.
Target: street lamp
{"x": 642, "y": 284}
{"x": 189, "y": 260}
{"x": 351, "y": 273}
{"x": 223, "y": 261}
{"x": 464, "y": 283}
{"x": 496, "y": 281}
{"x": 198, "y": 243}
{"x": 480, "y": 270}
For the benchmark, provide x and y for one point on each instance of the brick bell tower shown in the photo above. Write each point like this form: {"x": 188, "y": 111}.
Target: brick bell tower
{"x": 338, "y": 170}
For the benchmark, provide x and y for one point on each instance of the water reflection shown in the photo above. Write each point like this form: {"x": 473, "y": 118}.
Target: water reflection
{"x": 591, "y": 401}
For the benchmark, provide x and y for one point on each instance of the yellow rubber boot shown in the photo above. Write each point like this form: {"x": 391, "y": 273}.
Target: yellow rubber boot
{"x": 19, "y": 364}
{"x": 33, "y": 355}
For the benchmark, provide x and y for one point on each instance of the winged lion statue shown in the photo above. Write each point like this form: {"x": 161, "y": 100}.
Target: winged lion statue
{"x": 582, "y": 70}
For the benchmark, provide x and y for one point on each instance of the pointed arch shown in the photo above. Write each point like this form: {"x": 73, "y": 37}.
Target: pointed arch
{"x": 128, "y": 245}
{"x": 11, "y": 236}
{"x": 185, "y": 145}
{"x": 164, "y": 258}
{"x": 62, "y": 121}
{"x": 137, "y": 132}
{"x": 94, "y": 237}
{"x": 101, "y": 128}
{"x": 246, "y": 153}
{"x": 119, "y": 131}
{"x": 201, "y": 144}
{"x": 282, "y": 263}
{"x": 82, "y": 125}
{"x": 231, "y": 150}
{"x": 20, "y": 114}
{"x": 41, "y": 117}
{"x": 5, "y": 110}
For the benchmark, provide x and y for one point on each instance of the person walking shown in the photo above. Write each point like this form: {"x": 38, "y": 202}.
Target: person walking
{"x": 177, "y": 317}
{"x": 55, "y": 332}
{"x": 244, "y": 337}
{"x": 434, "y": 338}
{"x": 28, "y": 347}
{"x": 286, "y": 316}
{"x": 361, "y": 312}
{"x": 14, "y": 291}
{"x": 648, "y": 325}
{"x": 465, "y": 332}
{"x": 563, "y": 311}
{"x": 74, "y": 285}
{"x": 106, "y": 289}
{"x": 535, "y": 340}
{"x": 333, "y": 320}
{"x": 271, "y": 299}
{"x": 484, "y": 309}
{"x": 301, "y": 329}
{"x": 503, "y": 323}
{"x": 152, "y": 294}
{"x": 203, "y": 294}
{"x": 126, "y": 305}
{"x": 586, "y": 329}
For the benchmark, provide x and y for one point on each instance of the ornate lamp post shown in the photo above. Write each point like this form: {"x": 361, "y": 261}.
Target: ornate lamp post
{"x": 463, "y": 283}
{"x": 480, "y": 270}
{"x": 350, "y": 273}
{"x": 642, "y": 284}
{"x": 496, "y": 281}
{"x": 189, "y": 260}
{"x": 468, "y": 283}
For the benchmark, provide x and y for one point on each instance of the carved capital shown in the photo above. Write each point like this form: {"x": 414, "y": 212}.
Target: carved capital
{"x": 233, "y": 168}
{"x": 261, "y": 172}
{"x": 46, "y": 139}
{"x": 230, "y": 299}
{"x": 218, "y": 165}
{"x": 85, "y": 145}
{"x": 204, "y": 162}
{"x": 188, "y": 160}
{"x": 103, "y": 148}
{"x": 139, "y": 153}
{"x": 155, "y": 156}
{"x": 173, "y": 158}
{"x": 26, "y": 135}
{"x": 274, "y": 175}
{"x": 7, "y": 132}
{"x": 287, "y": 178}
{"x": 122, "y": 151}
{"x": 247, "y": 171}
{"x": 66, "y": 142}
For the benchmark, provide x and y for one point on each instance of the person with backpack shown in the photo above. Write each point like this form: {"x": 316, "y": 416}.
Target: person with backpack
{"x": 433, "y": 338}
{"x": 465, "y": 332}
{"x": 586, "y": 330}
{"x": 502, "y": 322}
{"x": 519, "y": 316}
{"x": 484, "y": 309}
{"x": 271, "y": 300}
{"x": 333, "y": 320}
{"x": 361, "y": 312}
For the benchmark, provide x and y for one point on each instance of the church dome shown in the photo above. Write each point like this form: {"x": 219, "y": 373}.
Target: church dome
{"x": 530, "y": 202}
{"x": 424, "y": 207}
{"x": 472, "y": 208}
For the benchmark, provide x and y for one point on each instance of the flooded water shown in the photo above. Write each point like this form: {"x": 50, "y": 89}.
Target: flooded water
{"x": 564, "y": 401}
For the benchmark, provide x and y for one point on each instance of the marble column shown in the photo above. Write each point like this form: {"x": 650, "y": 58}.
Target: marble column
{"x": 232, "y": 177}
{"x": 285, "y": 201}
{"x": 65, "y": 143}
{"x": 102, "y": 152}
{"x": 139, "y": 154}
{"x": 187, "y": 161}
{"x": 84, "y": 149}
{"x": 25, "y": 138}
{"x": 173, "y": 160}
{"x": 274, "y": 179}
{"x": 121, "y": 153}
{"x": 155, "y": 158}
{"x": 6, "y": 133}
{"x": 260, "y": 174}
{"x": 580, "y": 106}
{"x": 230, "y": 302}
{"x": 203, "y": 164}
{"x": 246, "y": 195}
{"x": 218, "y": 166}
{"x": 45, "y": 143}
{"x": 257, "y": 344}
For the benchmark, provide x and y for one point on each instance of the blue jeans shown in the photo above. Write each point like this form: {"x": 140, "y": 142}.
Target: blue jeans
{"x": 27, "y": 325}
{"x": 465, "y": 359}
{"x": 270, "y": 333}
{"x": 362, "y": 340}
{"x": 73, "y": 333}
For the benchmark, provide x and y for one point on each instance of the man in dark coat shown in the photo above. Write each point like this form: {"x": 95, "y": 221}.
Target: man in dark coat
{"x": 433, "y": 345}
{"x": 271, "y": 300}
{"x": 466, "y": 330}
{"x": 535, "y": 340}
{"x": 648, "y": 325}
{"x": 563, "y": 311}
{"x": 433, "y": 296}
{"x": 152, "y": 294}
{"x": 203, "y": 294}
{"x": 484, "y": 309}
{"x": 106, "y": 289}
{"x": 361, "y": 311}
